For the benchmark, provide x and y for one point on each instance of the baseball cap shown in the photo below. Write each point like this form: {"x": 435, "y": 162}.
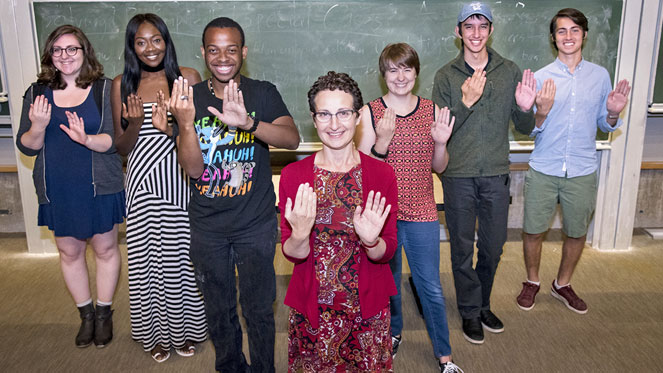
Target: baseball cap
{"x": 473, "y": 8}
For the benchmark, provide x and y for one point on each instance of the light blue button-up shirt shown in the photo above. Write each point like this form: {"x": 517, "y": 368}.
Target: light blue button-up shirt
{"x": 565, "y": 145}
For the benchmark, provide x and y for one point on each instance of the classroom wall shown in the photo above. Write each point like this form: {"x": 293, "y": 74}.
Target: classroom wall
{"x": 620, "y": 168}
{"x": 652, "y": 149}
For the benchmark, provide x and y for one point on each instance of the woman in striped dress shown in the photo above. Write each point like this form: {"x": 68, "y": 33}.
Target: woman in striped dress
{"x": 166, "y": 307}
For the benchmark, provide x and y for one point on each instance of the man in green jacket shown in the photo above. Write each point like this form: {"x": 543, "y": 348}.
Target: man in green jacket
{"x": 483, "y": 91}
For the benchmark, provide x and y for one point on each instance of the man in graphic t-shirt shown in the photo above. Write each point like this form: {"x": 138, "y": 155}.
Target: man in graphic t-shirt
{"x": 225, "y": 151}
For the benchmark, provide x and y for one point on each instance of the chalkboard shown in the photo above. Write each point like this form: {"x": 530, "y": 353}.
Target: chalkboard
{"x": 291, "y": 43}
{"x": 658, "y": 84}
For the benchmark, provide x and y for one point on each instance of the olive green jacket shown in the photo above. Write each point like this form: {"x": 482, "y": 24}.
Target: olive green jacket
{"x": 479, "y": 143}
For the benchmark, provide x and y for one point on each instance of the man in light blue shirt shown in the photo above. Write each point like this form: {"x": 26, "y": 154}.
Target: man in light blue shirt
{"x": 575, "y": 97}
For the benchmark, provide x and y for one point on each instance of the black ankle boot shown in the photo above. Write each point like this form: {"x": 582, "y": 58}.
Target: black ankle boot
{"x": 103, "y": 326}
{"x": 86, "y": 331}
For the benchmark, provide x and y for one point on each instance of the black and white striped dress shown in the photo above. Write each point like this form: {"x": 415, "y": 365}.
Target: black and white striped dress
{"x": 165, "y": 304}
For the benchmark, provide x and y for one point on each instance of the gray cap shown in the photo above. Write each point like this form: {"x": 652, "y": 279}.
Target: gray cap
{"x": 473, "y": 8}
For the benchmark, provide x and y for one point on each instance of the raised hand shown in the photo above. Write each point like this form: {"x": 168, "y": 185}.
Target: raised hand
{"x": 76, "y": 129}
{"x": 234, "y": 113}
{"x": 545, "y": 98}
{"x": 442, "y": 127}
{"x": 180, "y": 103}
{"x": 369, "y": 222}
{"x": 386, "y": 127}
{"x": 472, "y": 88}
{"x": 618, "y": 98}
{"x": 160, "y": 114}
{"x": 40, "y": 112}
{"x": 526, "y": 91}
{"x": 132, "y": 111}
{"x": 301, "y": 214}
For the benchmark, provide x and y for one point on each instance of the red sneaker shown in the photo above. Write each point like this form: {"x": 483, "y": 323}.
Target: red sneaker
{"x": 526, "y": 298}
{"x": 567, "y": 296}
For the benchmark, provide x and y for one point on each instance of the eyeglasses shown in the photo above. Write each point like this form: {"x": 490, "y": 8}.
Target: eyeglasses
{"x": 341, "y": 115}
{"x": 71, "y": 51}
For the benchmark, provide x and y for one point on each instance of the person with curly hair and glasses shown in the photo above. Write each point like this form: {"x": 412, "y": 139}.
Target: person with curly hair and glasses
{"x": 338, "y": 225}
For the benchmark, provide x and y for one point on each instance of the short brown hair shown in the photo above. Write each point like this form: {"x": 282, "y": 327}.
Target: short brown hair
{"x": 90, "y": 71}
{"x": 336, "y": 81}
{"x": 574, "y": 15}
{"x": 398, "y": 54}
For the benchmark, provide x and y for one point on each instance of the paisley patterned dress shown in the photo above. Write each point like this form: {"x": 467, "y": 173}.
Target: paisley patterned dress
{"x": 343, "y": 342}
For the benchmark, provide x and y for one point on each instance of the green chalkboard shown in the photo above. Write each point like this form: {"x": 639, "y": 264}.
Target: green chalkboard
{"x": 658, "y": 84}
{"x": 291, "y": 43}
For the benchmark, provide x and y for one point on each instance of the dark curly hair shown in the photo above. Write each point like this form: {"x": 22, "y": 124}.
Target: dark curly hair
{"x": 336, "y": 81}
{"x": 90, "y": 71}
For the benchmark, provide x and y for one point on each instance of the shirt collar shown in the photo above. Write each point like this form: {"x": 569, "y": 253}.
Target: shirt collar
{"x": 562, "y": 66}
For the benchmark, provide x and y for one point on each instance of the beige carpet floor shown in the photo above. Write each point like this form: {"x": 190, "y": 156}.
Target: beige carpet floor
{"x": 622, "y": 332}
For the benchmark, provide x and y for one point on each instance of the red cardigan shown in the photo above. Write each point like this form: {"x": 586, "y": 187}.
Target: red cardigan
{"x": 376, "y": 282}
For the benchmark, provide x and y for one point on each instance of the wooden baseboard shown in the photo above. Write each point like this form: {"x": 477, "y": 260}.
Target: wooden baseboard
{"x": 652, "y": 166}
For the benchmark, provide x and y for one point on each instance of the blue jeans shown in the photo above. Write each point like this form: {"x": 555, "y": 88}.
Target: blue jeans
{"x": 421, "y": 241}
{"x": 467, "y": 200}
{"x": 215, "y": 258}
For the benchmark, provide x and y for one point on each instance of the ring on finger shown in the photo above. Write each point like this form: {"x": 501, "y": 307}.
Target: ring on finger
{"x": 184, "y": 97}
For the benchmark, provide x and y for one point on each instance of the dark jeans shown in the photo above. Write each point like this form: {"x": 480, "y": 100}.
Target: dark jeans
{"x": 215, "y": 258}
{"x": 465, "y": 200}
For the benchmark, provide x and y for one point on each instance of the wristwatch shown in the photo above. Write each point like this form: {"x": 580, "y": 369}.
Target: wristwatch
{"x": 379, "y": 155}
{"x": 255, "y": 123}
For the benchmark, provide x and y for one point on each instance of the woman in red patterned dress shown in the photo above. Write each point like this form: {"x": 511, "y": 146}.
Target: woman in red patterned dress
{"x": 338, "y": 225}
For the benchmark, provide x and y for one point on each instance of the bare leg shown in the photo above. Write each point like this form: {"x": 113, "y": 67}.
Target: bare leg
{"x": 107, "y": 257}
{"x": 532, "y": 244}
{"x": 571, "y": 252}
{"x": 74, "y": 267}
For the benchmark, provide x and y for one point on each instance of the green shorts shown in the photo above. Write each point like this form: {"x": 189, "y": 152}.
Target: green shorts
{"x": 577, "y": 197}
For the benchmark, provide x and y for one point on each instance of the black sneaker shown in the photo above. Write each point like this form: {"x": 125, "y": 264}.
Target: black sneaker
{"x": 395, "y": 342}
{"x": 472, "y": 330}
{"x": 450, "y": 367}
{"x": 490, "y": 322}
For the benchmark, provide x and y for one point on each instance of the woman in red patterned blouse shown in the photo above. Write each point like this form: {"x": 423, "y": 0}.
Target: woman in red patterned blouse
{"x": 410, "y": 133}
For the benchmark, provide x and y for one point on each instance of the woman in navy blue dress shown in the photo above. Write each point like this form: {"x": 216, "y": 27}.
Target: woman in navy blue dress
{"x": 67, "y": 123}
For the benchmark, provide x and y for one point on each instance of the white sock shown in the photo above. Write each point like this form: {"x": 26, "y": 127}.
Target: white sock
{"x": 100, "y": 303}
{"x": 537, "y": 283}
{"x": 558, "y": 286}
{"x": 84, "y": 303}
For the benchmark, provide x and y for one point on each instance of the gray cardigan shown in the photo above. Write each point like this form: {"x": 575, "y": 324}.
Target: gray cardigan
{"x": 479, "y": 143}
{"x": 107, "y": 176}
